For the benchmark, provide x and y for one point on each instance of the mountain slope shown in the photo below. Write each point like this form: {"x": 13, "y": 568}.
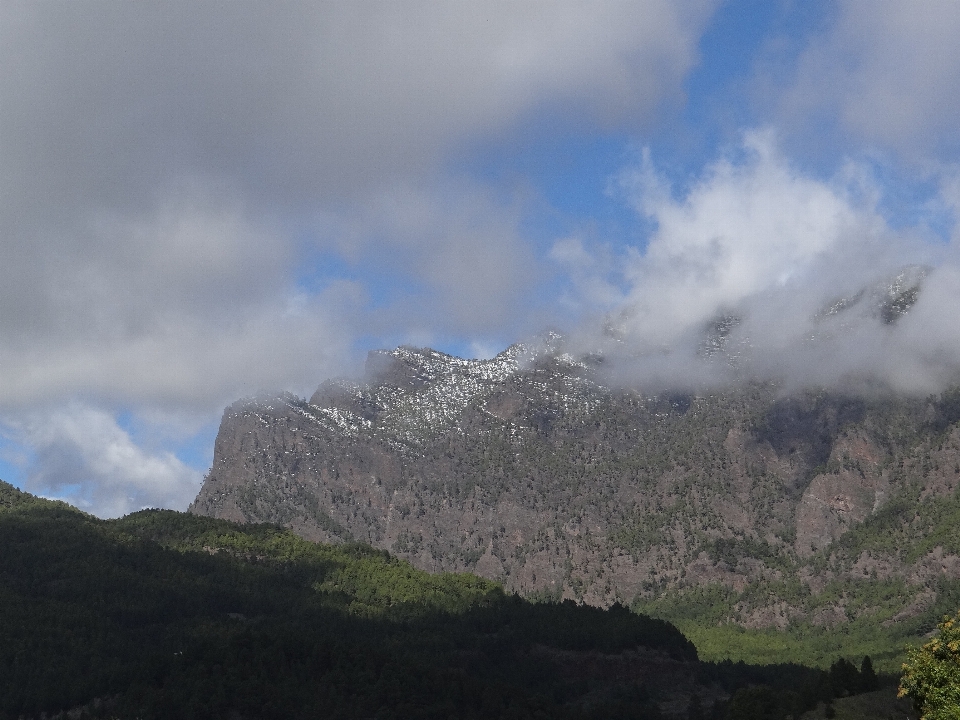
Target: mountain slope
{"x": 530, "y": 470}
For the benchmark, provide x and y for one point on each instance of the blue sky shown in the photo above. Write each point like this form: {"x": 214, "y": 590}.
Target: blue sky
{"x": 202, "y": 201}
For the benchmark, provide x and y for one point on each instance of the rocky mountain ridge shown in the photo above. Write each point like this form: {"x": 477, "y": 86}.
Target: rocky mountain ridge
{"x": 528, "y": 469}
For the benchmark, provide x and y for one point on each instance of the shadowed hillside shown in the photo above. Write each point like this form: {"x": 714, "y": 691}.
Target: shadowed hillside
{"x": 161, "y": 614}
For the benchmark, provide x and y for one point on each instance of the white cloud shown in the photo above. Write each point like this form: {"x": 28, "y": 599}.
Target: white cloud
{"x": 164, "y": 163}
{"x": 757, "y": 240}
{"x": 928, "y": 349}
{"x": 949, "y": 198}
{"x": 463, "y": 250}
{"x": 747, "y": 228}
{"x": 82, "y": 456}
{"x": 187, "y": 307}
{"x": 294, "y": 105}
{"x": 589, "y": 271}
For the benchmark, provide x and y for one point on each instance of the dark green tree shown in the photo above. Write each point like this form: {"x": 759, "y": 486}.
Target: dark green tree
{"x": 695, "y": 708}
{"x": 844, "y": 678}
{"x": 760, "y": 702}
{"x": 868, "y": 677}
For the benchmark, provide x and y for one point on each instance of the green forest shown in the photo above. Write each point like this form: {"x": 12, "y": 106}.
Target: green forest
{"x": 162, "y": 614}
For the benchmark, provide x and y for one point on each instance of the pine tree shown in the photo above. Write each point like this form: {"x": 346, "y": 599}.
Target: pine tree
{"x": 868, "y": 677}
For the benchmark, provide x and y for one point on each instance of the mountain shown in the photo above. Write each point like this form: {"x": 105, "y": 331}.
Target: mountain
{"x": 746, "y": 507}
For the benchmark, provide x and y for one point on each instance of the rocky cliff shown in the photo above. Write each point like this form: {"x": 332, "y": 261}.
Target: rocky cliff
{"x": 529, "y": 469}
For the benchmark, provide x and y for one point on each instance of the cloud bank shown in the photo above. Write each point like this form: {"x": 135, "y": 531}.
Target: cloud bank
{"x": 167, "y": 169}
{"x": 85, "y": 458}
{"x": 199, "y": 200}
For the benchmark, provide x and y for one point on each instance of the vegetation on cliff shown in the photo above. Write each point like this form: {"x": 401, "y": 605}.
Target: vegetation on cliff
{"x": 859, "y": 608}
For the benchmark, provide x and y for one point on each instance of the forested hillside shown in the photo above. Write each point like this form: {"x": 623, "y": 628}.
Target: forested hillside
{"x": 161, "y": 614}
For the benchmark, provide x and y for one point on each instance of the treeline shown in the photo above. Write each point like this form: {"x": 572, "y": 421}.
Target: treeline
{"x": 162, "y": 614}
{"x": 780, "y": 691}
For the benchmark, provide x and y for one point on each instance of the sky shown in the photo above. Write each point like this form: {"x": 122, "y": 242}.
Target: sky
{"x": 203, "y": 200}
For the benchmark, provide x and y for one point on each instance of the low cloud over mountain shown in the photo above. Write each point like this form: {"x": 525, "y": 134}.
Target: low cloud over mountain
{"x": 797, "y": 279}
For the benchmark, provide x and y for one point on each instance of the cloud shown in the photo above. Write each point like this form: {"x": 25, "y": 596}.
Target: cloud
{"x": 106, "y": 103}
{"x": 462, "y": 248}
{"x": 187, "y": 306}
{"x": 166, "y": 168}
{"x": 887, "y": 73}
{"x": 790, "y": 276}
{"x": 589, "y": 271}
{"x": 746, "y": 228}
{"x": 82, "y": 456}
{"x": 170, "y": 170}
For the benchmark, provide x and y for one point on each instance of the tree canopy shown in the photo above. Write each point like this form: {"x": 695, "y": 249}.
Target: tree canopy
{"x": 931, "y": 675}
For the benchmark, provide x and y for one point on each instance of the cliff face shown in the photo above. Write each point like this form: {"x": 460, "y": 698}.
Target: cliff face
{"x": 528, "y": 470}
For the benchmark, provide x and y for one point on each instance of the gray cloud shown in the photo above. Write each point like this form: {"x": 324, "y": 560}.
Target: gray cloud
{"x": 162, "y": 161}
{"x": 301, "y": 102}
{"x": 464, "y": 248}
{"x": 167, "y": 166}
{"x": 887, "y": 72}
